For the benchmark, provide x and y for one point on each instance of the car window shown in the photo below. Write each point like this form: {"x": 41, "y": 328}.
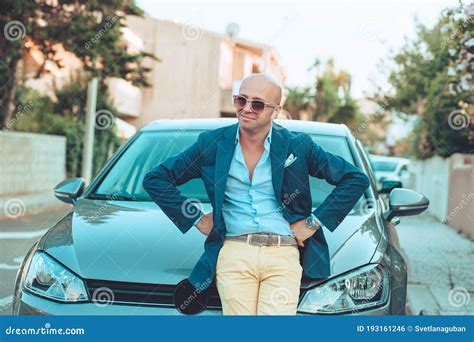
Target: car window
{"x": 384, "y": 166}
{"x": 151, "y": 148}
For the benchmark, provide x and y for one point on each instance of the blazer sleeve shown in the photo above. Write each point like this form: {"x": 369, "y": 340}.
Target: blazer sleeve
{"x": 349, "y": 180}
{"x": 162, "y": 181}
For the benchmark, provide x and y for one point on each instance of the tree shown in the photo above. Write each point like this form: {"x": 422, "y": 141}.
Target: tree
{"x": 345, "y": 113}
{"x": 65, "y": 116}
{"x": 298, "y": 101}
{"x": 92, "y": 30}
{"x": 432, "y": 77}
{"x": 333, "y": 102}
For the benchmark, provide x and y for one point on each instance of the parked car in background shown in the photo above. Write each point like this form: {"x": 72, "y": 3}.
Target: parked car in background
{"x": 390, "y": 168}
{"x": 116, "y": 252}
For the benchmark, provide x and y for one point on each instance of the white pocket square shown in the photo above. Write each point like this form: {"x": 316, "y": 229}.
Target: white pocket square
{"x": 290, "y": 160}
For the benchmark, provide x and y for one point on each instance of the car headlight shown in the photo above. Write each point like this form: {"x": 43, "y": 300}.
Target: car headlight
{"x": 360, "y": 289}
{"x": 48, "y": 278}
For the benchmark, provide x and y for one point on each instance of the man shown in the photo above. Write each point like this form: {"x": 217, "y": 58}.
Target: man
{"x": 256, "y": 174}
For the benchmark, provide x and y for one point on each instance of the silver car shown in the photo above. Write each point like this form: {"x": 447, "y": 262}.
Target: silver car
{"x": 117, "y": 253}
{"x": 390, "y": 169}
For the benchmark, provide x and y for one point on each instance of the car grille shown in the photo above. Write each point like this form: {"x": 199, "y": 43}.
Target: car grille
{"x": 116, "y": 292}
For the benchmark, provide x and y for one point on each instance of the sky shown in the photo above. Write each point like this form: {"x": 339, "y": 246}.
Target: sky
{"x": 356, "y": 34}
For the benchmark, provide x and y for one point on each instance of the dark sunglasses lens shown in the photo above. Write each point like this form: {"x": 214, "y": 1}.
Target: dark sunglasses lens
{"x": 258, "y": 106}
{"x": 240, "y": 102}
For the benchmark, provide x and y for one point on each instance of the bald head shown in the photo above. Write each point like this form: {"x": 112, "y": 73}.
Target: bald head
{"x": 264, "y": 86}
{"x": 259, "y": 87}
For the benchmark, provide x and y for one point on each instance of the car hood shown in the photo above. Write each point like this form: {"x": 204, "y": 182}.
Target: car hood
{"x": 136, "y": 242}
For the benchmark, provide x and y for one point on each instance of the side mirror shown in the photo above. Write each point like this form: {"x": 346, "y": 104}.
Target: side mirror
{"x": 405, "y": 202}
{"x": 402, "y": 173}
{"x": 69, "y": 190}
{"x": 389, "y": 185}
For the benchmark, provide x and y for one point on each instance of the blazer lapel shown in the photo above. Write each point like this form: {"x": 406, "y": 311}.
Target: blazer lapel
{"x": 278, "y": 151}
{"x": 224, "y": 154}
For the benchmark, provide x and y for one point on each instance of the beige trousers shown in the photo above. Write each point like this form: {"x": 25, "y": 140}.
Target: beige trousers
{"x": 254, "y": 280}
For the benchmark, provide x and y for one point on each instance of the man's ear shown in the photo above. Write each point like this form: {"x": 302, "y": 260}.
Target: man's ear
{"x": 276, "y": 112}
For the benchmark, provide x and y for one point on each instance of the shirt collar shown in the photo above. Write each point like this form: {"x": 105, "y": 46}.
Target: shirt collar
{"x": 268, "y": 138}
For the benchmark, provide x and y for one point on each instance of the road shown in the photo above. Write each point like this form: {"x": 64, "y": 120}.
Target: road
{"x": 440, "y": 264}
{"x": 441, "y": 277}
{"x": 16, "y": 238}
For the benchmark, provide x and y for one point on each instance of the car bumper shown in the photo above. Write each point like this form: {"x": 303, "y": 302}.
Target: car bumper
{"x": 30, "y": 304}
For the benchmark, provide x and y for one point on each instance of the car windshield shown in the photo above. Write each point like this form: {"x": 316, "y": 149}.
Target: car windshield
{"x": 384, "y": 166}
{"x": 150, "y": 148}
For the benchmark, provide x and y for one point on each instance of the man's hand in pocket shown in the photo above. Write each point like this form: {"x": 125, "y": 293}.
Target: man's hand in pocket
{"x": 301, "y": 232}
{"x": 205, "y": 224}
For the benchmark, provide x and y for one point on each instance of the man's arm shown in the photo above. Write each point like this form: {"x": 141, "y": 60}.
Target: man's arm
{"x": 162, "y": 181}
{"x": 349, "y": 180}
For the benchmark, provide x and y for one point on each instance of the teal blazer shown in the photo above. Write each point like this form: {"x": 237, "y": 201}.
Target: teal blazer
{"x": 209, "y": 158}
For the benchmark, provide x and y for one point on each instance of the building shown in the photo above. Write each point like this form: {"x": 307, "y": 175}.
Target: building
{"x": 198, "y": 72}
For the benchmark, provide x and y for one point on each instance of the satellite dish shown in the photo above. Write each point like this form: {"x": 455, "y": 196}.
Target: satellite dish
{"x": 232, "y": 30}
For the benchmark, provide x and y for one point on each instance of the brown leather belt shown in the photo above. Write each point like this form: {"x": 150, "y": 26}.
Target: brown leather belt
{"x": 264, "y": 239}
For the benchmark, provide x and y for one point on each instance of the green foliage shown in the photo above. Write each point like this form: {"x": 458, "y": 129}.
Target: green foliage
{"x": 416, "y": 65}
{"x": 65, "y": 117}
{"x": 442, "y": 139}
{"x": 328, "y": 98}
{"x": 71, "y": 103}
{"x": 92, "y": 30}
{"x": 298, "y": 100}
{"x": 432, "y": 77}
{"x": 345, "y": 113}
{"x": 333, "y": 102}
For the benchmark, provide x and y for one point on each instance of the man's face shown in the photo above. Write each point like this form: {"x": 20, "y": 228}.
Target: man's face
{"x": 263, "y": 90}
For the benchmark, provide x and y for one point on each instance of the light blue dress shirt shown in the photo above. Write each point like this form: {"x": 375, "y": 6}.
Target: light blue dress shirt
{"x": 251, "y": 206}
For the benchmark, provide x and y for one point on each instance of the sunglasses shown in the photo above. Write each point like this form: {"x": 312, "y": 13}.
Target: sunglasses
{"x": 257, "y": 106}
